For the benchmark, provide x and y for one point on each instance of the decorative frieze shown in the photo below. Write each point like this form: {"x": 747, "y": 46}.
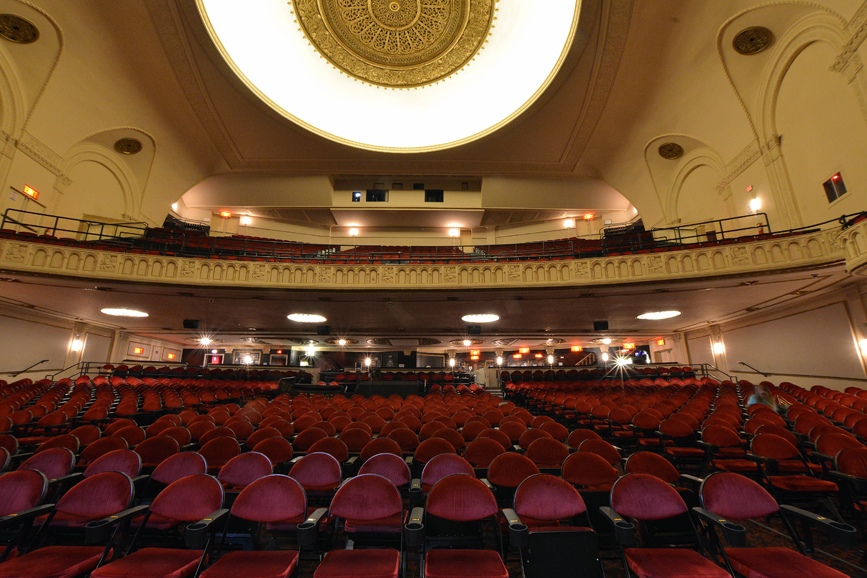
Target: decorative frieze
{"x": 767, "y": 255}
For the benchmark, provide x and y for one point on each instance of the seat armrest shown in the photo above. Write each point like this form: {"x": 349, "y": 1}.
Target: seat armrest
{"x": 624, "y": 532}
{"x": 308, "y": 530}
{"x": 74, "y": 477}
{"x": 859, "y": 484}
{"x": 695, "y": 480}
{"x": 487, "y": 483}
{"x": 141, "y": 478}
{"x": 99, "y": 531}
{"x": 841, "y": 533}
{"x": 196, "y": 535}
{"x": 294, "y": 460}
{"x": 735, "y": 534}
{"x": 518, "y": 532}
{"x": 709, "y": 447}
{"x": 13, "y": 520}
{"x": 823, "y": 457}
{"x": 414, "y": 528}
{"x": 516, "y": 448}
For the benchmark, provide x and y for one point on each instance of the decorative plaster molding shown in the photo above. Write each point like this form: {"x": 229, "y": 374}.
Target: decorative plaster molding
{"x": 739, "y": 164}
{"x": 42, "y": 154}
{"x": 857, "y": 29}
{"x": 770, "y": 255}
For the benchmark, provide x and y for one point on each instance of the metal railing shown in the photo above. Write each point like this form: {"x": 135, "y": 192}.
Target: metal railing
{"x": 53, "y": 226}
{"x": 137, "y": 237}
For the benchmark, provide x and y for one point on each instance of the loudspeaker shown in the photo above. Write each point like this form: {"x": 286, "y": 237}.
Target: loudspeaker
{"x": 600, "y": 326}
{"x": 323, "y": 330}
{"x": 474, "y": 329}
{"x": 191, "y": 323}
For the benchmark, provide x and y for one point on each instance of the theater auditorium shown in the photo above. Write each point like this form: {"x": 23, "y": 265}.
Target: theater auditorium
{"x": 433, "y": 288}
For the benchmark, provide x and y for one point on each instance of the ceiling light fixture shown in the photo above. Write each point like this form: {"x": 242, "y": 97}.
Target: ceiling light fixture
{"x": 306, "y": 318}
{"x": 341, "y": 342}
{"x": 123, "y": 312}
{"x": 481, "y": 318}
{"x": 606, "y": 341}
{"x": 205, "y": 341}
{"x": 657, "y": 315}
{"x": 467, "y": 342}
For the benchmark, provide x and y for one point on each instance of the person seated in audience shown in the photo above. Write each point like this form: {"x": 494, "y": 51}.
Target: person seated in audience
{"x": 762, "y": 395}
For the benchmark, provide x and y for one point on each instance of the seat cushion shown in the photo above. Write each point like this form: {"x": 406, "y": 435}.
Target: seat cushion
{"x": 735, "y": 465}
{"x": 391, "y": 525}
{"x": 155, "y": 522}
{"x": 53, "y": 562}
{"x": 152, "y": 563}
{"x": 679, "y": 452}
{"x": 464, "y": 563}
{"x": 802, "y": 484}
{"x": 777, "y": 563}
{"x": 359, "y": 564}
{"x": 671, "y": 563}
{"x": 269, "y": 564}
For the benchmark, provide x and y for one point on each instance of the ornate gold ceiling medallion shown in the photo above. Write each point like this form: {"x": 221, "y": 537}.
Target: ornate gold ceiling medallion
{"x": 396, "y": 43}
{"x": 16, "y": 29}
{"x": 128, "y": 146}
{"x": 752, "y": 40}
{"x": 671, "y": 151}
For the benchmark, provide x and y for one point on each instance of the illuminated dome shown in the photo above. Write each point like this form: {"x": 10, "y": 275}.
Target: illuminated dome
{"x": 395, "y": 75}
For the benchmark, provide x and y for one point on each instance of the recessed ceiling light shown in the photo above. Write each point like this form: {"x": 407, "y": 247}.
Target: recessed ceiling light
{"x": 123, "y": 312}
{"x": 205, "y": 341}
{"x": 306, "y": 318}
{"x": 656, "y": 315}
{"x": 606, "y": 341}
{"x": 481, "y": 318}
{"x": 467, "y": 342}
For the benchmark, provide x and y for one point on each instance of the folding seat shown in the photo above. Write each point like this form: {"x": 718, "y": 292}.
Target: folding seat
{"x": 436, "y": 469}
{"x": 481, "y": 452}
{"x": 156, "y": 449}
{"x": 656, "y": 465}
{"x": 472, "y": 429}
{"x": 549, "y": 524}
{"x": 67, "y": 441}
{"x": 99, "y": 448}
{"x": 727, "y": 496}
{"x": 428, "y": 430}
{"x": 242, "y": 429}
{"x": 683, "y": 450}
{"x": 117, "y": 425}
{"x": 548, "y": 454}
{"x": 531, "y": 435}
{"x": 777, "y": 430}
{"x": 218, "y": 451}
{"x": 426, "y": 451}
{"x": 389, "y": 466}
{"x": 180, "y": 434}
{"x": 217, "y": 432}
{"x": 193, "y": 500}
{"x": 277, "y": 449}
{"x": 366, "y": 505}
{"x": 243, "y": 470}
{"x": 453, "y": 437}
{"x": 133, "y": 434}
{"x": 21, "y": 494}
{"x": 506, "y": 472}
{"x": 200, "y": 428}
{"x": 267, "y": 500}
{"x": 578, "y": 436}
{"x": 103, "y": 497}
{"x": 557, "y": 431}
{"x": 379, "y": 446}
{"x": 329, "y": 428}
{"x": 449, "y": 530}
{"x": 332, "y": 446}
{"x": 829, "y": 445}
{"x": 319, "y": 474}
{"x": 777, "y": 456}
{"x": 55, "y": 463}
{"x": 124, "y": 461}
{"x": 513, "y": 429}
{"x": 9, "y": 443}
{"x": 354, "y": 438}
{"x": 601, "y": 448}
{"x": 850, "y": 473}
{"x": 646, "y": 500}
{"x": 86, "y": 434}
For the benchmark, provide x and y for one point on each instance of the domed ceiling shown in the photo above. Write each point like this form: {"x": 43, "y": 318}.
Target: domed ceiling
{"x": 395, "y": 75}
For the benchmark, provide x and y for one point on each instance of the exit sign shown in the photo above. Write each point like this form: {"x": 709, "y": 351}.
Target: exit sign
{"x": 31, "y": 192}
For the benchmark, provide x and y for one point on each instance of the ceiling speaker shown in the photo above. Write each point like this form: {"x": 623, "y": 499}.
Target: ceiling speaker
{"x": 191, "y": 323}
{"x": 600, "y": 326}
